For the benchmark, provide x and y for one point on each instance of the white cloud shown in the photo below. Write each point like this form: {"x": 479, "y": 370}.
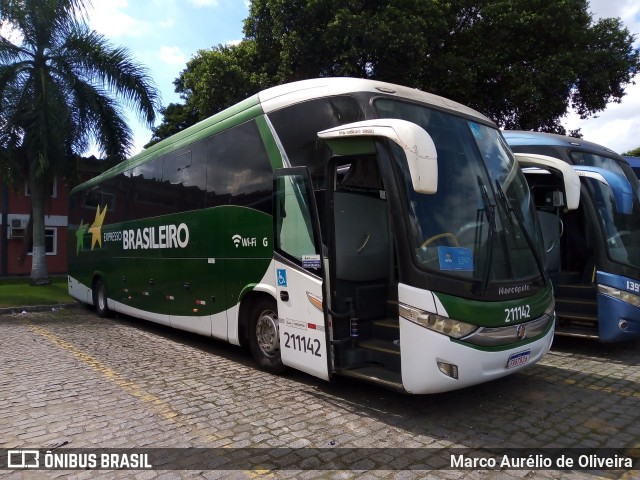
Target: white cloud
{"x": 204, "y": 3}
{"x": 617, "y": 127}
{"x": 172, "y": 55}
{"x": 107, "y": 17}
{"x": 168, "y": 23}
{"x": 627, "y": 10}
{"x": 10, "y": 33}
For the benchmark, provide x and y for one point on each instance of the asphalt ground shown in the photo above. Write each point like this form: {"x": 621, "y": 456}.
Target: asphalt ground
{"x": 71, "y": 380}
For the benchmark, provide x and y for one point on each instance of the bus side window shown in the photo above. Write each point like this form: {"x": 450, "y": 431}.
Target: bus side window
{"x": 238, "y": 169}
{"x": 297, "y": 127}
{"x": 185, "y": 178}
{"x": 150, "y": 198}
{"x": 294, "y": 231}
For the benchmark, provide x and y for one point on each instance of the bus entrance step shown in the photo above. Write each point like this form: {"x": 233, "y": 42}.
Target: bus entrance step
{"x": 583, "y": 292}
{"x": 564, "y": 331}
{"x": 383, "y": 346}
{"x": 383, "y": 352}
{"x": 386, "y": 328}
{"x": 377, "y": 375}
{"x": 565, "y": 278}
{"x": 576, "y": 325}
{"x": 571, "y": 306}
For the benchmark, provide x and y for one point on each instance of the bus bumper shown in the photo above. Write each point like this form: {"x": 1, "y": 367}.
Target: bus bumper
{"x": 422, "y": 349}
{"x": 618, "y": 321}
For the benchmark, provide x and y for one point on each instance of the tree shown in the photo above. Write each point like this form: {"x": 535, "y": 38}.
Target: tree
{"x": 213, "y": 80}
{"x": 176, "y": 117}
{"x": 523, "y": 63}
{"x": 633, "y": 153}
{"x": 390, "y": 40}
{"x": 61, "y": 87}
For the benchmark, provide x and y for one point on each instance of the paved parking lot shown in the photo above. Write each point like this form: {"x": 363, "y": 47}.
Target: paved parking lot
{"x": 69, "y": 379}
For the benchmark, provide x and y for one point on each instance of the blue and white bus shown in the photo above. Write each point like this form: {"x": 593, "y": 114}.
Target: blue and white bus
{"x": 592, "y": 251}
{"x": 634, "y": 162}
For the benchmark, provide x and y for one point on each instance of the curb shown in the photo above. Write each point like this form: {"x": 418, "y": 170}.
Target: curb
{"x": 37, "y": 308}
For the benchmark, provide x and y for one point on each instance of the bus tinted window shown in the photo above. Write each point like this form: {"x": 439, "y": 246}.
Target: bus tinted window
{"x": 298, "y": 125}
{"x": 117, "y": 188}
{"x": 184, "y": 179}
{"x": 98, "y": 196}
{"x": 151, "y": 198}
{"x": 238, "y": 171}
{"x": 595, "y": 160}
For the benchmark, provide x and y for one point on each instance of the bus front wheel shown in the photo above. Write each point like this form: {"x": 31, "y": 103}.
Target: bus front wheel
{"x": 264, "y": 336}
{"x": 100, "y": 299}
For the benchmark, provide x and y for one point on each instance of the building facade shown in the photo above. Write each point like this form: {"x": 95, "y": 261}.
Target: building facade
{"x": 15, "y": 209}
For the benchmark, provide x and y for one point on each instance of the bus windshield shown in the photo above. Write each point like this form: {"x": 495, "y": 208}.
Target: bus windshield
{"x": 480, "y": 225}
{"x": 621, "y": 229}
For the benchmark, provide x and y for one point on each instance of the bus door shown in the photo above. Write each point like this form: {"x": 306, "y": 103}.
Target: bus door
{"x": 362, "y": 273}
{"x": 555, "y": 189}
{"x": 299, "y": 274}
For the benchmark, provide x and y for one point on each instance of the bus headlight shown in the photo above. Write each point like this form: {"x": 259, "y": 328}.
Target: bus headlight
{"x": 437, "y": 323}
{"x": 620, "y": 294}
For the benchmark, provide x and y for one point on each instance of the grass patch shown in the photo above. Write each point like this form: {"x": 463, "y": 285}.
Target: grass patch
{"x": 16, "y": 292}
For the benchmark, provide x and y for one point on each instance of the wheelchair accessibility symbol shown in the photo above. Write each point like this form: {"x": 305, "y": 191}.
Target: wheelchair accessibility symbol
{"x": 282, "y": 277}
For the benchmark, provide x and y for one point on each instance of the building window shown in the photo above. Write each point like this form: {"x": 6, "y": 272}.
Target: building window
{"x": 52, "y": 190}
{"x": 50, "y": 241}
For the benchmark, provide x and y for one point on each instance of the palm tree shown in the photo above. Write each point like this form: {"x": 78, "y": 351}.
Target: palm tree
{"x": 62, "y": 86}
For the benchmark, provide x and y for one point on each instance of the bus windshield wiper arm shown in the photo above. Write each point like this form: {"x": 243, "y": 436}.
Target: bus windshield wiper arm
{"x": 492, "y": 231}
{"x": 516, "y": 213}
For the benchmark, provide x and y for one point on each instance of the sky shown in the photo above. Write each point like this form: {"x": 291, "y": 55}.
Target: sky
{"x": 618, "y": 126}
{"x": 163, "y": 35}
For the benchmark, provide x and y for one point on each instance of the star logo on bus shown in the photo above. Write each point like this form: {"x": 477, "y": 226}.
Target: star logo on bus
{"x": 96, "y": 227}
{"x": 82, "y": 229}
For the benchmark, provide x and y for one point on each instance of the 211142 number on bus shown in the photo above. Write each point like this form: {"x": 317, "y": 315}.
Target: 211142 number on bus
{"x": 302, "y": 344}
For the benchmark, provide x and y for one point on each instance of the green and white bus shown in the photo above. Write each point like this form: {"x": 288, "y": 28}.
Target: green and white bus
{"x": 337, "y": 226}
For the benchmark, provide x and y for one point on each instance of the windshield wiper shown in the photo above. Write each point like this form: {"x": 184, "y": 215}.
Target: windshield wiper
{"x": 516, "y": 213}
{"x": 492, "y": 232}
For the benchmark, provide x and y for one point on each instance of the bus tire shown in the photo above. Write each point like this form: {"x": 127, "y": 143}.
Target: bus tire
{"x": 100, "y": 299}
{"x": 263, "y": 336}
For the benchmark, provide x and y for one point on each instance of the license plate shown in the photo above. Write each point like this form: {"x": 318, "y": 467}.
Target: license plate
{"x": 519, "y": 359}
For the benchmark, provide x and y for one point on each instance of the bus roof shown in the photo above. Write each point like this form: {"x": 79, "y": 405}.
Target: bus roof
{"x": 273, "y": 99}
{"x": 522, "y": 137}
{"x": 289, "y": 93}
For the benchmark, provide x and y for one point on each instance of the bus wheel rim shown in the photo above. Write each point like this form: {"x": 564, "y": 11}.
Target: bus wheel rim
{"x": 267, "y": 333}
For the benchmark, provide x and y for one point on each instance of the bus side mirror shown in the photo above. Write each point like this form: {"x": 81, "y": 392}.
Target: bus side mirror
{"x": 416, "y": 143}
{"x": 422, "y": 159}
{"x": 570, "y": 178}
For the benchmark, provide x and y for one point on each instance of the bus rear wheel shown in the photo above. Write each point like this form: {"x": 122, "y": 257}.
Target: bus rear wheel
{"x": 100, "y": 299}
{"x": 264, "y": 336}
